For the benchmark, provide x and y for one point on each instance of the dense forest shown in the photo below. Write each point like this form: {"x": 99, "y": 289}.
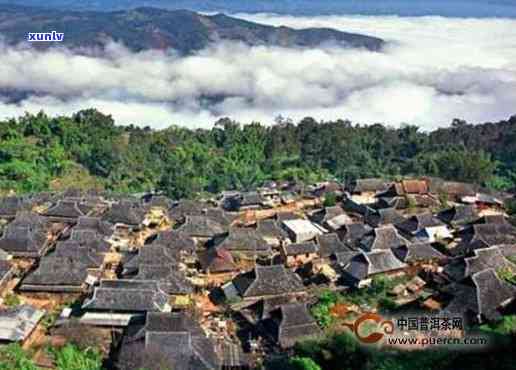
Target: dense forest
{"x": 87, "y": 150}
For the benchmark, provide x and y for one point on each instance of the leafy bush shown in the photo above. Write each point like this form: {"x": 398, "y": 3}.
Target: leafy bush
{"x": 13, "y": 357}
{"x": 330, "y": 200}
{"x": 12, "y": 300}
{"x": 70, "y": 357}
{"x": 303, "y": 363}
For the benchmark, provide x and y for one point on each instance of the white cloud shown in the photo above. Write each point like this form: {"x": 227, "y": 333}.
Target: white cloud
{"x": 434, "y": 69}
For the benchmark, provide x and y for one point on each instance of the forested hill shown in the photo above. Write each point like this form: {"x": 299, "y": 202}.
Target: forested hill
{"x": 88, "y": 150}
{"x": 151, "y": 28}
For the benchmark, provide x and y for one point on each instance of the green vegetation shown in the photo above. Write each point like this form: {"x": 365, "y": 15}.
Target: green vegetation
{"x": 12, "y": 300}
{"x": 506, "y": 326}
{"x": 71, "y": 358}
{"x": 330, "y": 200}
{"x": 303, "y": 363}
{"x": 87, "y": 150}
{"x": 13, "y": 357}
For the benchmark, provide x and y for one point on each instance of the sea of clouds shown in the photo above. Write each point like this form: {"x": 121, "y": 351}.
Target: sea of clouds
{"x": 433, "y": 70}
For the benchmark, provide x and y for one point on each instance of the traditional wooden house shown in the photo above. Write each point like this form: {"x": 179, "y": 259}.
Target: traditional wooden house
{"x": 25, "y": 241}
{"x": 217, "y": 260}
{"x": 181, "y": 246}
{"x": 67, "y": 211}
{"x": 9, "y": 207}
{"x": 385, "y": 237}
{"x": 483, "y": 236}
{"x": 265, "y": 282}
{"x": 353, "y": 233}
{"x": 270, "y": 231}
{"x": 424, "y": 227}
{"x": 291, "y": 323}
{"x": 363, "y": 191}
{"x": 201, "y": 228}
{"x": 118, "y": 302}
{"x": 243, "y": 243}
{"x": 184, "y": 208}
{"x": 178, "y": 339}
{"x": 298, "y": 254}
{"x": 418, "y": 252}
{"x": 458, "y": 215}
{"x": 485, "y": 258}
{"x": 363, "y": 267}
{"x": 383, "y": 217}
{"x": 481, "y": 296}
{"x": 329, "y": 244}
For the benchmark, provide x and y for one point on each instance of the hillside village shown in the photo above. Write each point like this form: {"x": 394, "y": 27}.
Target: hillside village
{"x": 225, "y": 283}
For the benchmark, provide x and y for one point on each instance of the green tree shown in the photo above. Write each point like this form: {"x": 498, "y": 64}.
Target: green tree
{"x": 303, "y": 363}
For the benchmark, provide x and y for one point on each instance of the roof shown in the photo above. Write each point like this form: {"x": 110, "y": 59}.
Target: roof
{"x": 172, "y": 281}
{"x": 459, "y": 215}
{"x": 9, "y": 206}
{"x": 368, "y": 185}
{"x": 300, "y": 248}
{"x": 485, "y": 235}
{"x": 243, "y": 239}
{"x": 418, "y": 252}
{"x": 126, "y": 213}
{"x": 90, "y": 239}
{"x": 201, "y": 226}
{"x": 482, "y": 294}
{"x": 303, "y": 227}
{"x": 296, "y": 324}
{"x": 384, "y": 216}
{"x": 330, "y": 244}
{"x": 269, "y": 229}
{"x": 69, "y": 209}
{"x": 151, "y": 254}
{"x": 179, "y": 338}
{"x": 352, "y": 233}
{"x": 324, "y": 215}
{"x": 127, "y": 296}
{"x": 268, "y": 281}
{"x": 186, "y": 208}
{"x": 363, "y": 265}
{"x": 176, "y": 242}
{"x": 385, "y": 237}
{"x": 94, "y": 224}
{"x": 23, "y": 240}
{"x": 78, "y": 254}
{"x": 18, "y": 322}
{"x": 217, "y": 259}
{"x": 418, "y": 222}
{"x": 482, "y": 259}
{"x": 56, "y": 273}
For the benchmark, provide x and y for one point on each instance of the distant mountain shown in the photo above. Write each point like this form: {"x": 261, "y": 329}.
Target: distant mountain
{"x": 152, "y": 28}
{"x": 447, "y": 8}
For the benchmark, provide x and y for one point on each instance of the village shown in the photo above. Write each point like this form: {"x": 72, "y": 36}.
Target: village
{"x": 227, "y": 281}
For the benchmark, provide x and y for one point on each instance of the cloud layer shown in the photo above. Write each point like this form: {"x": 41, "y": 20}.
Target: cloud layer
{"x": 434, "y": 69}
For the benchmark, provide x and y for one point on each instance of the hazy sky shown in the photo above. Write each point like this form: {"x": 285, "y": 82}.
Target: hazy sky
{"x": 435, "y": 69}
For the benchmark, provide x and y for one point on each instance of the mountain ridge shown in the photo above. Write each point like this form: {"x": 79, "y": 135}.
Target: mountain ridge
{"x": 146, "y": 28}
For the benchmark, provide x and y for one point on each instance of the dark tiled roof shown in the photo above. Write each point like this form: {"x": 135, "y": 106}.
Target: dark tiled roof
{"x": 384, "y": 216}
{"x": 23, "y": 241}
{"x": 9, "y": 206}
{"x": 418, "y": 252}
{"x": 172, "y": 281}
{"x": 368, "y": 185}
{"x": 325, "y": 214}
{"x": 95, "y": 224}
{"x": 201, "y": 226}
{"x": 351, "y": 234}
{"x": 78, "y": 254}
{"x": 330, "y": 244}
{"x": 364, "y": 265}
{"x": 485, "y": 235}
{"x": 268, "y": 281}
{"x": 482, "y": 259}
{"x": 67, "y": 209}
{"x": 301, "y": 248}
{"x": 385, "y": 237}
{"x": 459, "y": 215}
{"x": 270, "y": 229}
{"x": 483, "y": 293}
{"x": 296, "y": 324}
{"x": 90, "y": 239}
{"x": 217, "y": 259}
{"x": 176, "y": 242}
{"x": 187, "y": 208}
{"x": 56, "y": 273}
{"x": 243, "y": 239}
{"x": 127, "y": 296}
{"x": 127, "y": 213}
{"x": 152, "y": 254}
{"x": 418, "y": 222}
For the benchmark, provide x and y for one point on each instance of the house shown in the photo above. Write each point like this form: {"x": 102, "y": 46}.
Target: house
{"x": 481, "y": 259}
{"x": 171, "y": 280}
{"x": 329, "y": 244}
{"x": 24, "y": 241}
{"x": 352, "y": 234}
{"x": 178, "y": 244}
{"x": 90, "y": 239}
{"x": 94, "y": 224}
{"x": 118, "y": 302}
{"x": 291, "y": 323}
{"x": 125, "y": 214}
{"x": 483, "y": 236}
{"x": 485, "y": 202}
{"x": 184, "y": 208}
{"x": 418, "y": 252}
{"x": 459, "y": 215}
{"x": 452, "y": 190}
{"x": 67, "y": 211}
{"x": 64, "y": 271}
{"x": 243, "y": 202}
{"x": 299, "y": 253}
{"x": 481, "y": 296}
{"x": 383, "y": 217}
{"x": 177, "y": 341}
{"x": 217, "y": 260}
{"x": 244, "y": 242}
{"x": 201, "y": 228}
{"x": 385, "y": 237}
{"x": 415, "y": 224}
{"x": 271, "y": 232}
{"x": 152, "y": 254}
{"x": 17, "y": 323}
{"x": 364, "y": 191}
{"x": 361, "y": 269}
{"x": 302, "y": 230}
{"x": 267, "y": 281}
{"x": 9, "y": 207}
